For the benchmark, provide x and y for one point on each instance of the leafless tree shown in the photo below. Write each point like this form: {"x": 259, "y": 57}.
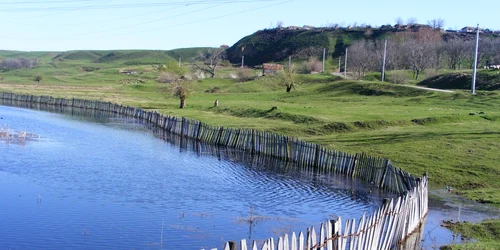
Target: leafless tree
{"x": 436, "y": 23}
{"x": 411, "y": 21}
{"x": 362, "y": 57}
{"x": 420, "y": 48}
{"x": 19, "y": 63}
{"x": 279, "y": 24}
{"x": 489, "y": 48}
{"x": 208, "y": 61}
{"x": 399, "y": 21}
{"x": 457, "y": 51}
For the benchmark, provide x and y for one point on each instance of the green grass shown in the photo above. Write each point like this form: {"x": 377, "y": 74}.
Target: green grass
{"x": 487, "y": 232}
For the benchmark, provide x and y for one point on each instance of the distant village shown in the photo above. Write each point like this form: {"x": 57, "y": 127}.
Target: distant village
{"x": 397, "y": 27}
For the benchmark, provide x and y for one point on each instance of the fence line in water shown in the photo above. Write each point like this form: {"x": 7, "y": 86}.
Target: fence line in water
{"x": 386, "y": 228}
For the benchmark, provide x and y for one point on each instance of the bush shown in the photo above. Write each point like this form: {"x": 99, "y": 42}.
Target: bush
{"x": 245, "y": 75}
{"x": 38, "y": 78}
{"x": 167, "y": 77}
{"x": 398, "y": 78}
{"x": 312, "y": 65}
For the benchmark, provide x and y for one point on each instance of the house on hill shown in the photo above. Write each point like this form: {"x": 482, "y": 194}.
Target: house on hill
{"x": 271, "y": 68}
{"x": 470, "y": 30}
{"x": 294, "y": 28}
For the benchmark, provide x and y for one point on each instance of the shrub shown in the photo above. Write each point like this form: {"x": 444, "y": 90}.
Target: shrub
{"x": 167, "y": 77}
{"x": 312, "y": 65}
{"x": 245, "y": 75}
{"x": 398, "y": 77}
{"x": 38, "y": 78}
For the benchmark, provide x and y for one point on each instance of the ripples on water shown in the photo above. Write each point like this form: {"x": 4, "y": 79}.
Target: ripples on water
{"x": 96, "y": 180}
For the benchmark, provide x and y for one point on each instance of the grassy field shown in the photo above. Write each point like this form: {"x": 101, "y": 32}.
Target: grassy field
{"x": 455, "y": 137}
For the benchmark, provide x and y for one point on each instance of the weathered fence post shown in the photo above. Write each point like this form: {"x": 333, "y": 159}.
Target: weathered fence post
{"x": 232, "y": 245}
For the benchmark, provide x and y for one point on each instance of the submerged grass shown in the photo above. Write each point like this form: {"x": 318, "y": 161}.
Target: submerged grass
{"x": 487, "y": 232}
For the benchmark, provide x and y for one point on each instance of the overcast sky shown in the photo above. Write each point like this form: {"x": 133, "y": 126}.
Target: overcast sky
{"x": 60, "y": 25}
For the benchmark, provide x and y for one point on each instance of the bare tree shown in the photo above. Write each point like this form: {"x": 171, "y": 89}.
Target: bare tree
{"x": 421, "y": 49}
{"x": 362, "y": 57}
{"x": 208, "y": 61}
{"x": 399, "y": 21}
{"x": 411, "y": 21}
{"x": 279, "y": 24}
{"x": 436, "y": 23}
{"x": 19, "y": 63}
{"x": 457, "y": 51}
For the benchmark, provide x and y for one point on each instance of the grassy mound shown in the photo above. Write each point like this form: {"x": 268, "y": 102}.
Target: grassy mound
{"x": 373, "y": 89}
{"x": 486, "y": 80}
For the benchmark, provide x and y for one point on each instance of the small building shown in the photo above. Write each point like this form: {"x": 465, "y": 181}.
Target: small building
{"x": 271, "y": 68}
{"x": 308, "y": 27}
{"x": 470, "y": 30}
{"x": 128, "y": 72}
{"x": 294, "y": 28}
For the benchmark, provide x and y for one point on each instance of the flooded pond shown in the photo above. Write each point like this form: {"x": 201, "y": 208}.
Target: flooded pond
{"x": 95, "y": 180}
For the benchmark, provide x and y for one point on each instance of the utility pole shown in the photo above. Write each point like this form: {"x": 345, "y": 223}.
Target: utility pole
{"x": 383, "y": 64}
{"x": 242, "y": 61}
{"x": 324, "y": 57}
{"x": 339, "y": 63}
{"x": 180, "y": 60}
{"x": 473, "y": 91}
{"x": 345, "y": 64}
{"x": 290, "y": 63}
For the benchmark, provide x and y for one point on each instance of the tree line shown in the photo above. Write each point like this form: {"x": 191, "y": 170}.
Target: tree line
{"x": 419, "y": 51}
{"x": 19, "y": 63}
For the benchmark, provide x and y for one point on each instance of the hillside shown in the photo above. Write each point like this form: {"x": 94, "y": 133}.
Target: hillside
{"x": 275, "y": 45}
{"x": 108, "y": 57}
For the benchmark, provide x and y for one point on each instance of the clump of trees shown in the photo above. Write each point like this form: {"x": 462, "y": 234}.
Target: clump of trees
{"x": 420, "y": 50}
{"x": 209, "y": 60}
{"x": 19, "y": 63}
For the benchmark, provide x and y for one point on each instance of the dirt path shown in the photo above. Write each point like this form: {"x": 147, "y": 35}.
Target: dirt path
{"x": 431, "y": 89}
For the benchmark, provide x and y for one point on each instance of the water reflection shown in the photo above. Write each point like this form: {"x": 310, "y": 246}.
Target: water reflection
{"x": 105, "y": 181}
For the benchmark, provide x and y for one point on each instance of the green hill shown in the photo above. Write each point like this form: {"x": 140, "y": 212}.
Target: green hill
{"x": 274, "y": 45}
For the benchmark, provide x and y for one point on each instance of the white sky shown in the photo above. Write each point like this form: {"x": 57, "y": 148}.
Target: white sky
{"x": 59, "y": 25}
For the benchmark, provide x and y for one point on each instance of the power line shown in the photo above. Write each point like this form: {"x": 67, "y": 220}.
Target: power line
{"x": 68, "y": 37}
{"x": 121, "y": 6}
{"x": 43, "y": 2}
{"x": 203, "y": 20}
{"x": 147, "y": 22}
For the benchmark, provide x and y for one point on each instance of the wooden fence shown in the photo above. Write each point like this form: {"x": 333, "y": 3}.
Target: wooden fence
{"x": 386, "y": 228}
